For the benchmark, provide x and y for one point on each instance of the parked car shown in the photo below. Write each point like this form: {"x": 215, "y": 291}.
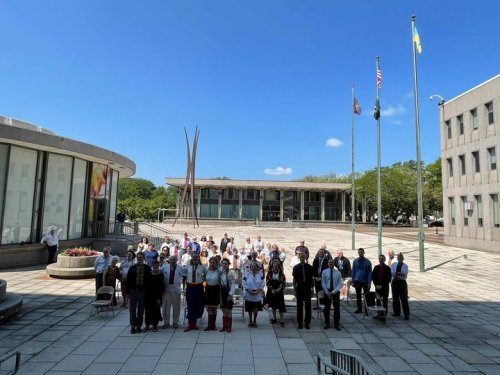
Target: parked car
{"x": 388, "y": 221}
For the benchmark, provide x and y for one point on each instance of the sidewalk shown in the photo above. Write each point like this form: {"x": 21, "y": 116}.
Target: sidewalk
{"x": 454, "y": 325}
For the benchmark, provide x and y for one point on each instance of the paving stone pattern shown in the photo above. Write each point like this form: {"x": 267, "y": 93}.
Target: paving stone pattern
{"x": 454, "y": 326}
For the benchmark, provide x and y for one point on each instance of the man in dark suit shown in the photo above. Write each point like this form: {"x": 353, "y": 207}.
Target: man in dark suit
{"x": 320, "y": 263}
{"x": 381, "y": 277}
{"x": 303, "y": 282}
{"x": 223, "y": 243}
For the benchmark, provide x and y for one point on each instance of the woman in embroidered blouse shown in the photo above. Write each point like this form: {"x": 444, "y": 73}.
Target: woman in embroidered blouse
{"x": 275, "y": 298}
{"x": 212, "y": 293}
{"x": 124, "y": 267}
{"x": 111, "y": 274}
{"x": 204, "y": 257}
{"x": 227, "y": 286}
{"x": 253, "y": 283}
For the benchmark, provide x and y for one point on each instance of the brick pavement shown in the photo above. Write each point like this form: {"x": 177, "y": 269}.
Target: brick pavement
{"x": 454, "y": 326}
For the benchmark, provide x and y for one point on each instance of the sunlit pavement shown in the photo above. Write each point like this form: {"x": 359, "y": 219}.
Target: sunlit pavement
{"x": 454, "y": 325}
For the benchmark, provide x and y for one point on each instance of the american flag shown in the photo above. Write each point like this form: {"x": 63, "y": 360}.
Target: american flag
{"x": 379, "y": 78}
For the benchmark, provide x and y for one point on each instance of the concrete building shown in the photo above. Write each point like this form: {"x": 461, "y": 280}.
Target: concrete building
{"x": 470, "y": 139}
{"x": 267, "y": 200}
{"x": 47, "y": 180}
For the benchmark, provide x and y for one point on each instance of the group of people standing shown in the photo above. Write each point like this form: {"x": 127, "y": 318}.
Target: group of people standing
{"x": 330, "y": 278}
{"x": 152, "y": 283}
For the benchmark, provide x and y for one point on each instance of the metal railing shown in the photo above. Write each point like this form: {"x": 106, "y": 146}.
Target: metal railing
{"x": 342, "y": 363}
{"x": 10, "y": 355}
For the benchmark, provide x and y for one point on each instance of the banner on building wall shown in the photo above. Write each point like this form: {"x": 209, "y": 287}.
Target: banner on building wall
{"x": 100, "y": 174}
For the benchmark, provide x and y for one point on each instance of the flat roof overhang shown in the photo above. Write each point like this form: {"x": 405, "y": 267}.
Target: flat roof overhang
{"x": 44, "y": 141}
{"x": 259, "y": 184}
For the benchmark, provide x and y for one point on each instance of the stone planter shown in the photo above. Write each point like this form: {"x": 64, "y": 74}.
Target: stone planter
{"x": 10, "y": 303}
{"x": 76, "y": 262}
{"x": 73, "y": 267}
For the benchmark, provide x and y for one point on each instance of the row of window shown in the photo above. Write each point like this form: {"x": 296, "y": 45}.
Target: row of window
{"x": 473, "y": 120}
{"x": 468, "y": 208}
{"x": 270, "y": 195}
{"x": 475, "y": 162}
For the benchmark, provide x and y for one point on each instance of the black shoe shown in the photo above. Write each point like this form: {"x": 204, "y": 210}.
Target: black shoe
{"x": 273, "y": 321}
{"x": 338, "y": 328}
{"x": 358, "y": 311}
{"x": 395, "y": 314}
{"x": 307, "y": 326}
{"x": 327, "y": 326}
{"x": 132, "y": 330}
{"x": 138, "y": 330}
{"x": 282, "y": 324}
{"x": 300, "y": 326}
{"x": 315, "y": 308}
{"x": 407, "y": 318}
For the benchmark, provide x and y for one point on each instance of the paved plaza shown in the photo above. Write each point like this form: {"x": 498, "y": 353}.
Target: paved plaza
{"x": 454, "y": 326}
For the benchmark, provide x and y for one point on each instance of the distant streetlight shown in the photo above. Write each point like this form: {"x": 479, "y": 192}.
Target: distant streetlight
{"x": 440, "y": 104}
{"x": 441, "y": 99}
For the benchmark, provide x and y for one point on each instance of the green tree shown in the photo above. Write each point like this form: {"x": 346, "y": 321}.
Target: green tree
{"x": 135, "y": 187}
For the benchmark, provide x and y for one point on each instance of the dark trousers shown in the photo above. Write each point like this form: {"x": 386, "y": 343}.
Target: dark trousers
{"x": 136, "y": 307}
{"x": 360, "y": 286}
{"x": 52, "y": 253}
{"x": 336, "y": 309}
{"x": 304, "y": 301}
{"x": 400, "y": 298}
{"x": 98, "y": 281}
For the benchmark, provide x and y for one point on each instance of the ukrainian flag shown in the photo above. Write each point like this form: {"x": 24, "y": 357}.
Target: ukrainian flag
{"x": 416, "y": 40}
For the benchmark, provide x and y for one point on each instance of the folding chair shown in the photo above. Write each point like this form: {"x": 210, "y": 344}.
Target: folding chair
{"x": 239, "y": 301}
{"x": 373, "y": 303}
{"x": 103, "y": 301}
{"x": 320, "y": 304}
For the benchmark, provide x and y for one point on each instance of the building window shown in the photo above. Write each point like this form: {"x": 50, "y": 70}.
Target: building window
{"x": 473, "y": 119}
{"x": 479, "y": 210}
{"x": 312, "y": 196}
{"x": 495, "y": 209}
{"x": 451, "y": 201}
{"x": 272, "y": 195}
{"x": 475, "y": 161}
{"x": 461, "y": 159}
{"x": 465, "y": 207}
{"x": 251, "y": 194}
{"x": 493, "y": 158}
{"x": 460, "y": 124}
{"x": 489, "y": 111}
{"x": 448, "y": 128}
{"x": 450, "y": 167}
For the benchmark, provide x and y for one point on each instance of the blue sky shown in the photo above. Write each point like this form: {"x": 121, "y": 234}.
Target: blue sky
{"x": 267, "y": 82}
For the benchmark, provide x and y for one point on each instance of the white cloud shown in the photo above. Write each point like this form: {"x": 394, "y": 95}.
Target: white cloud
{"x": 278, "y": 171}
{"x": 409, "y": 94}
{"x": 397, "y": 122}
{"x": 393, "y": 111}
{"x": 333, "y": 142}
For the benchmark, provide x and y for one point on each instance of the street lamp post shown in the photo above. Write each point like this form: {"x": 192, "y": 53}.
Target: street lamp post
{"x": 440, "y": 104}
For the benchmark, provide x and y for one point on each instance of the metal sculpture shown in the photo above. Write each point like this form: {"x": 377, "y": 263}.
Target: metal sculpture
{"x": 189, "y": 184}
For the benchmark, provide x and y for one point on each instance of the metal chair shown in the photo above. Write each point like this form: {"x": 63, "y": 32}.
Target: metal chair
{"x": 320, "y": 304}
{"x": 103, "y": 301}
{"x": 373, "y": 303}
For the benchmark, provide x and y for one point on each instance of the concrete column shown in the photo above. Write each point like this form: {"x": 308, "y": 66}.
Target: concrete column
{"x": 219, "y": 204}
{"x": 198, "y": 208}
{"x": 343, "y": 206}
{"x": 240, "y": 197}
{"x": 322, "y": 206}
{"x": 282, "y": 211}
{"x": 261, "y": 204}
{"x": 301, "y": 205}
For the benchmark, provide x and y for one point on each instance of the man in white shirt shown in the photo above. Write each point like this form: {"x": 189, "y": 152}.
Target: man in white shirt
{"x": 172, "y": 274}
{"x": 51, "y": 240}
{"x": 100, "y": 264}
{"x": 258, "y": 245}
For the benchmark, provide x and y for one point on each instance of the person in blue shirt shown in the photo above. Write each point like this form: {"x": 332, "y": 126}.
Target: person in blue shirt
{"x": 331, "y": 282}
{"x": 361, "y": 277}
{"x": 150, "y": 255}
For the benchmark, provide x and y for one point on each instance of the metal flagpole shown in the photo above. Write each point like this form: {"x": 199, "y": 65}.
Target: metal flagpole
{"x": 353, "y": 194}
{"x": 421, "y": 234}
{"x": 379, "y": 191}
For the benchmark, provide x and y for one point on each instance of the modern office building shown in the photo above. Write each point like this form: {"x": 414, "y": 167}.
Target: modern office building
{"x": 470, "y": 140}
{"x": 47, "y": 180}
{"x": 266, "y": 200}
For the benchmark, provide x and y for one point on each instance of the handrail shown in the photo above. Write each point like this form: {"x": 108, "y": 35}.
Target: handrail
{"x": 10, "y": 355}
{"x": 343, "y": 363}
